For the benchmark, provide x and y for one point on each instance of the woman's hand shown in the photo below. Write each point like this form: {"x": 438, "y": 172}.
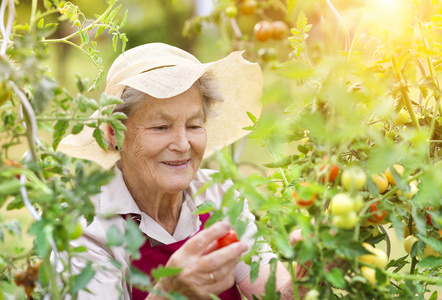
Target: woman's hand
{"x": 205, "y": 268}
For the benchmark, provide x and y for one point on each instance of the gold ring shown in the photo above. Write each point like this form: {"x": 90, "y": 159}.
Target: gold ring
{"x": 212, "y": 277}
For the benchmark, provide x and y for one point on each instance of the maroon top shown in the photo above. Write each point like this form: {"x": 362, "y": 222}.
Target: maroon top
{"x": 153, "y": 257}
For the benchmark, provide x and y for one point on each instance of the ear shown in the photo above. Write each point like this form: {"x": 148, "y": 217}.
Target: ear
{"x": 111, "y": 135}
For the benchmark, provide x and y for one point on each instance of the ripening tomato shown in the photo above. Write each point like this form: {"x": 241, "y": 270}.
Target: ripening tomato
{"x": 378, "y": 216}
{"x": 228, "y": 239}
{"x": 413, "y": 191}
{"x": 377, "y": 258}
{"x": 353, "y": 179}
{"x": 280, "y": 30}
{"x": 248, "y": 7}
{"x": 428, "y": 251}
{"x": 307, "y": 198}
{"x": 399, "y": 170}
{"x": 369, "y": 274}
{"x": 381, "y": 181}
{"x": 263, "y": 31}
{"x": 332, "y": 171}
{"x": 409, "y": 242}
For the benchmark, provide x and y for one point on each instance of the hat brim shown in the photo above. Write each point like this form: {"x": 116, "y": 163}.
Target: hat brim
{"x": 241, "y": 88}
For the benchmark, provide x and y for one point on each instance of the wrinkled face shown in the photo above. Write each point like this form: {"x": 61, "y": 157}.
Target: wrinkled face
{"x": 165, "y": 142}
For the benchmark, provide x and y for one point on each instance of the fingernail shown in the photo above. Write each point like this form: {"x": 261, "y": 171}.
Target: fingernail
{"x": 223, "y": 224}
{"x": 243, "y": 247}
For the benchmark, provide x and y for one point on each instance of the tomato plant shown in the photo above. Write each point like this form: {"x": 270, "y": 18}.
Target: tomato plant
{"x": 228, "y": 239}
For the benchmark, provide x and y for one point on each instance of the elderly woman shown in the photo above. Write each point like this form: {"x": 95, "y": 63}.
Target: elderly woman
{"x": 178, "y": 110}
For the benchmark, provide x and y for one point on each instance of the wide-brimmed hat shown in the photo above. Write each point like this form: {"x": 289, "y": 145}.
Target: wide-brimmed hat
{"x": 163, "y": 71}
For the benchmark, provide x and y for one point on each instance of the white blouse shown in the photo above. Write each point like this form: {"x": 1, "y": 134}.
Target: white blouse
{"x": 114, "y": 201}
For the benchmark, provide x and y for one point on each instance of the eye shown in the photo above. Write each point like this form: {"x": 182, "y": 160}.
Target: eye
{"x": 160, "y": 128}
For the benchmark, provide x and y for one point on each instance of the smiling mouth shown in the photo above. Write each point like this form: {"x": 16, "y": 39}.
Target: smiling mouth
{"x": 178, "y": 163}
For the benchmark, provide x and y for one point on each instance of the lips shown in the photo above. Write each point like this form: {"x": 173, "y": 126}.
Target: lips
{"x": 176, "y": 163}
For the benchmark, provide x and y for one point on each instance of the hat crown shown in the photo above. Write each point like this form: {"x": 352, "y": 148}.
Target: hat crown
{"x": 154, "y": 55}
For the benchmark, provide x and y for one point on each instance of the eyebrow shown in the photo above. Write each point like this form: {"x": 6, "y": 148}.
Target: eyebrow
{"x": 195, "y": 115}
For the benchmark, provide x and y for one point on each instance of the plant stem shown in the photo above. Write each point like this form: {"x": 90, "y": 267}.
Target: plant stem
{"x": 396, "y": 276}
{"x": 275, "y": 159}
{"x": 404, "y": 93}
{"x": 33, "y": 13}
{"x": 295, "y": 286}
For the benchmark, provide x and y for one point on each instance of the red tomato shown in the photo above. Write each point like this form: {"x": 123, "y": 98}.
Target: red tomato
{"x": 228, "y": 239}
{"x": 301, "y": 202}
{"x": 333, "y": 171}
{"x": 428, "y": 217}
{"x": 377, "y": 216}
{"x": 263, "y": 31}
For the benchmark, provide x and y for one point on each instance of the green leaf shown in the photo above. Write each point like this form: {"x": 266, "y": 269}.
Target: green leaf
{"x": 113, "y": 13}
{"x": 162, "y": 271}
{"x": 270, "y": 287}
{"x": 252, "y": 117}
{"x": 99, "y": 137}
{"x": 133, "y": 239}
{"x": 254, "y": 271}
{"x": 77, "y": 128}
{"x": 204, "y": 208}
{"x": 124, "y": 20}
{"x": 59, "y": 131}
{"x": 430, "y": 262}
{"x": 114, "y": 237}
{"x": 139, "y": 279}
{"x": 336, "y": 278}
{"x": 106, "y": 100}
{"x": 100, "y": 29}
{"x": 82, "y": 279}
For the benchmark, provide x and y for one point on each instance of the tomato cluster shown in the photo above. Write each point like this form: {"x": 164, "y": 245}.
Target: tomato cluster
{"x": 265, "y": 30}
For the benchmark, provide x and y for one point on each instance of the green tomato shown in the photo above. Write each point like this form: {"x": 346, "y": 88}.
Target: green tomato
{"x": 231, "y": 11}
{"x": 341, "y": 205}
{"x": 409, "y": 242}
{"x": 353, "y": 179}
{"x": 76, "y": 232}
{"x": 401, "y": 117}
{"x": 312, "y": 295}
{"x": 347, "y": 221}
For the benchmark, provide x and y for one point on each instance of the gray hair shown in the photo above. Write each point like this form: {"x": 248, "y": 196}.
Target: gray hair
{"x": 207, "y": 84}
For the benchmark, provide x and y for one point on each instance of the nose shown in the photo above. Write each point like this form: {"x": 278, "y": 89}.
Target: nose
{"x": 180, "y": 141}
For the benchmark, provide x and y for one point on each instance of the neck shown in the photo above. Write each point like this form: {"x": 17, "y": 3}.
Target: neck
{"x": 164, "y": 208}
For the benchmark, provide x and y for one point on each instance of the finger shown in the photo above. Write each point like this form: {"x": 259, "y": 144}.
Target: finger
{"x": 200, "y": 241}
{"x": 212, "y": 247}
{"x": 226, "y": 255}
{"x": 295, "y": 237}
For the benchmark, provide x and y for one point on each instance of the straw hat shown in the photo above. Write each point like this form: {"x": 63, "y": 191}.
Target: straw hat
{"x": 163, "y": 71}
